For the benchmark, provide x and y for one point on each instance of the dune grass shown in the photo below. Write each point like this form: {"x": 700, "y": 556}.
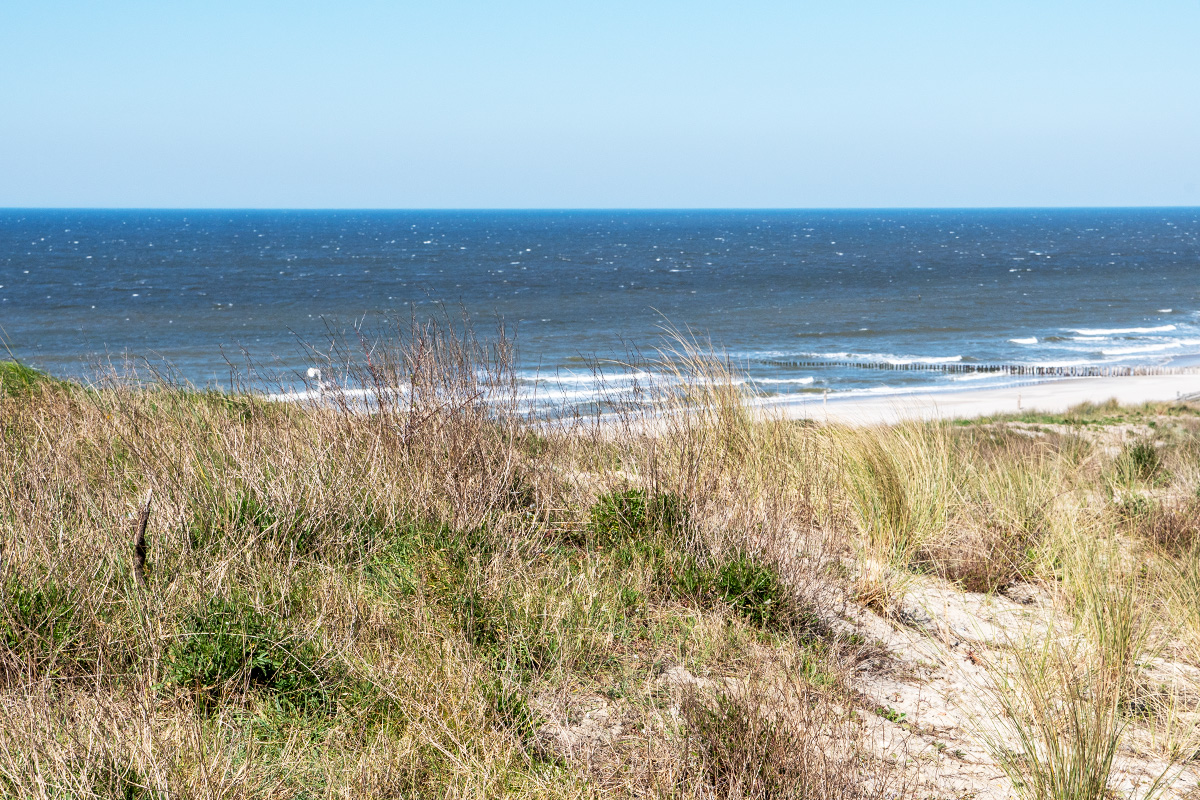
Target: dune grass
{"x": 427, "y": 594}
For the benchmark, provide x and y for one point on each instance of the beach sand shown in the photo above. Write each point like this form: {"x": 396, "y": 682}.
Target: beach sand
{"x": 1051, "y": 397}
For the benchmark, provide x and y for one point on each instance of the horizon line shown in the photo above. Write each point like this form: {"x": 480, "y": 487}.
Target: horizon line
{"x": 573, "y": 209}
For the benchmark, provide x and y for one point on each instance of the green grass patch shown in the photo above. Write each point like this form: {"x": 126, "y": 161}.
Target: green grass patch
{"x": 227, "y": 648}
{"x": 40, "y": 627}
{"x": 244, "y": 514}
{"x": 1140, "y": 461}
{"x": 651, "y": 533}
{"x": 18, "y": 380}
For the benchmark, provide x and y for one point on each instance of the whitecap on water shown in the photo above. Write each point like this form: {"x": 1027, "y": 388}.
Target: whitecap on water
{"x": 1115, "y": 331}
{"x": 799, "y": 381}
{"x": 887, "y": 358}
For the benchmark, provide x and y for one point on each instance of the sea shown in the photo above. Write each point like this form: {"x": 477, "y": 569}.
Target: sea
{"x": 798, "y": 303}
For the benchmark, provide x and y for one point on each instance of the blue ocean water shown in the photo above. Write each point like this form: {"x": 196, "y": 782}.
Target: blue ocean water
{"x": 199, "y": 289}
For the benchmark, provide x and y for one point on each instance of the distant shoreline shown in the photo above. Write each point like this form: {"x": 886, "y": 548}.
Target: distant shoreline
{"x": 1049, "y": 397}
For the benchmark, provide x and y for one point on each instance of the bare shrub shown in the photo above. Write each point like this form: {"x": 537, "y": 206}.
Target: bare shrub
{"x": 1173, "y": 527}
{"x": 983, "y": 556}
{"x": 765, "y": 740}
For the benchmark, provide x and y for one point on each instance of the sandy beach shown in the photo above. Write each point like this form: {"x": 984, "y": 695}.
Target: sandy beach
{"x": 1050, "y": 397}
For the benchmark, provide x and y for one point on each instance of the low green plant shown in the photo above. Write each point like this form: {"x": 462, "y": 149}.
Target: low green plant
{"x": 229, "y": 647}
{"x": 650, "y": 532}
{"x": 892, "y": 715}
{"x": 635, "y": 515}
{"x": 755, "y": 591}
{"x": 511, "y": 707}
{"x": 1109, "y": 412}
{"x": 110, "y": 779}
{"x": 448, "y": 554}
{"x": 495, "y": 627}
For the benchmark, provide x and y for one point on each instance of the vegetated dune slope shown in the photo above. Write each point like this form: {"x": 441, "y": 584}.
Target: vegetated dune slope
{"x": 441, "y": 599}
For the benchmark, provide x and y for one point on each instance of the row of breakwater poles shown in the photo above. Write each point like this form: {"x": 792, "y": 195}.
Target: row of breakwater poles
{"x": 1024, "y": 370}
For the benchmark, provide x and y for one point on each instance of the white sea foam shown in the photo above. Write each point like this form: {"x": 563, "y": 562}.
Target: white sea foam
{"x": 1146, "y": 348}
{"x": 1151, "y": 348}
{"x": 978, "y": 376}
{"x": 1116, "y": 331}
{"x": 1026, "y": 340}
{"x": 1079, "y": 362}
{"x": 331, "y": 393}
{"x": 885, "y": 358}
{"x": 798, "y": 381}
{"x": 588, "y": 378}
{"x": 554, "y": 396}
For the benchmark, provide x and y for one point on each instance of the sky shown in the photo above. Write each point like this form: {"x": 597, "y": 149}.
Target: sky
{"x": 526, "y": 104}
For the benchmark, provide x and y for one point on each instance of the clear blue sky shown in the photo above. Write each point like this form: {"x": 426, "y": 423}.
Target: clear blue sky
{"x": 517, "y": 104}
